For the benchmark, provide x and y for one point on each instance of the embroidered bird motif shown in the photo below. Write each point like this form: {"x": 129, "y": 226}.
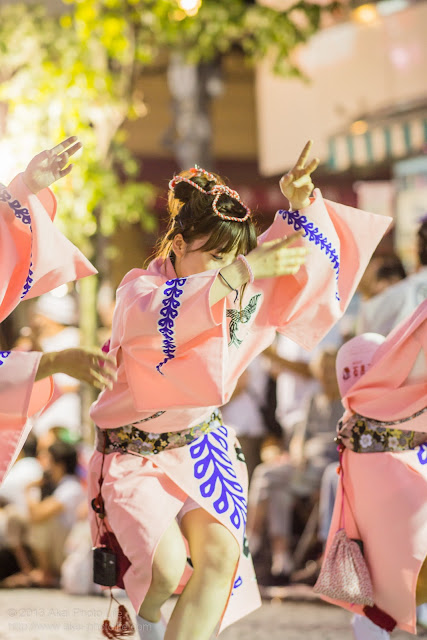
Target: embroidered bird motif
{"x": 236, "y": 317}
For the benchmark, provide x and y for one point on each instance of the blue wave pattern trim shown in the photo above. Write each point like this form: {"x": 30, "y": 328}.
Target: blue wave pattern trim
{"x": 214, "y": 468}
{"x": 169, "y": 313}
{"x": 20, "y": 212}
{"x": 28, "y": 282}
{"x": 314, "y": 235}
{"x": 422, "y": 454}
{"x": 23, "y": 214}
{"x": 3, "y": 356}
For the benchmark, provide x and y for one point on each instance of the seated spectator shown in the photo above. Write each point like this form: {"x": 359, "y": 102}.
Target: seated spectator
{"x": 52, "y": 517}
{"x": 15, "y": 553}
{"x": 277, "y": 485}
{"x": 382, "y": 312}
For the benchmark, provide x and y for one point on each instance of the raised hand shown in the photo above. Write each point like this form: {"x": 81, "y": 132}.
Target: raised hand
{"x": 269, "y": 260}
{"x": 296, "y": 185}
{"x": 50, "y": 165}
{"x": 85, "y": 364}
{"x": 277, "y": 257}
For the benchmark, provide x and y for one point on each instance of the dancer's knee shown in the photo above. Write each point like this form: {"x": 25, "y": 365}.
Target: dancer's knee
{"x": 167, "y": 575}
{"x": 169, "y": 563}
{"x": 221, "y": 556}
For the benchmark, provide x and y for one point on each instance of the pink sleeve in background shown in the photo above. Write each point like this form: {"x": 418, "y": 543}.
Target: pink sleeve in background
{"x": 20, "y": 398}
{"x": 35, "y": 257}
{"x": 385, "y": 392}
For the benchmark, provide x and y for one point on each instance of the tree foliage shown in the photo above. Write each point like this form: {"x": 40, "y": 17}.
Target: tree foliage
{"x": 76, "y": 73}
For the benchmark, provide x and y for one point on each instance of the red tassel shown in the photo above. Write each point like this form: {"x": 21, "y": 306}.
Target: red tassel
{"x": 107, "y": 630}
{"x": 124, "y": 622}
{"x": 123, "y": 627}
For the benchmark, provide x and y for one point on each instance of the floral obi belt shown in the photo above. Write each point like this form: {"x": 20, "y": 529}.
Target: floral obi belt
{"x": 131, "y": 439}
{"x": 366, "y": 435}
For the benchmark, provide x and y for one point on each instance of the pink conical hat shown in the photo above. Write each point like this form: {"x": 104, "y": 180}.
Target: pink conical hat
{"x": 355, "y": 358}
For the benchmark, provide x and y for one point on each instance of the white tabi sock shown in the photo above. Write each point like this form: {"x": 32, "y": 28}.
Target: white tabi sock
{"x": 150, "y": 630}
{"x": 422, "y": 615}
{"x": 365, "y": 629}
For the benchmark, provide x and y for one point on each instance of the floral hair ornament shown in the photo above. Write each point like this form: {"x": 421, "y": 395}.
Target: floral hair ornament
{"x": 217, "y": 191}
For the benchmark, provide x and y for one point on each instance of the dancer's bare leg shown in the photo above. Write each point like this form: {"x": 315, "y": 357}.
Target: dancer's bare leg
{"x": 422, "y": 585}
{"x": 168, "y": 566}
{"x": 214, "y": 554}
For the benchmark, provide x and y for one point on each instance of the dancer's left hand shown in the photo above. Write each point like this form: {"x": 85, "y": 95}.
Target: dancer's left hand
{"x": 297, "y": 185}
{"x": 49, "y": 166}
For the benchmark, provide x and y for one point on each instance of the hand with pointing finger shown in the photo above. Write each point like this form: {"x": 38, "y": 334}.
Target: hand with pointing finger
{"x": 277, "y": 257}
{"x": 296, "y": 185}
{"x": 49, "y": 166}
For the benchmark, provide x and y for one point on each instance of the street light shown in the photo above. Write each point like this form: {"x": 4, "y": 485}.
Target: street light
{"x": 190, "y": 7}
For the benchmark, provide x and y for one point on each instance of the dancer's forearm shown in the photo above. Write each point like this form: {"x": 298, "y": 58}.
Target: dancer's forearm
{"x": 236, "y": 274}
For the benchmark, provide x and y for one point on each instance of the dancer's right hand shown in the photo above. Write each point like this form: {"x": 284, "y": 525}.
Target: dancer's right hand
{"x": 89, "y": 365}
{"x": 49, "y": 166}
{"x": 277, "y": 257}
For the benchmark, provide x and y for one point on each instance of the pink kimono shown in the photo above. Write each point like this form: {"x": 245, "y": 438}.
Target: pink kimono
{"x": 386, "y": 493}
{"x": 34, "y": 258}
{"x": 179, "y": 358}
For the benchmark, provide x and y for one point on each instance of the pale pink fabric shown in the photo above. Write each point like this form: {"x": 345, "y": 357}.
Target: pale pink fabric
{"x": 384, "y": 393}
{"x": 386, "y": 493}
{"x": 54, "y": 259}
{"x": 34, "y": 258}
{"x": 20, "y": 397}
{"x": 211, "y": 348}
{"x": 142, "y": 496}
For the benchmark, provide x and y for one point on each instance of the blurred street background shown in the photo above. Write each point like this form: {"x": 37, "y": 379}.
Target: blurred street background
{"x": 237, "y": 87}
{"x": 37, "y": 616}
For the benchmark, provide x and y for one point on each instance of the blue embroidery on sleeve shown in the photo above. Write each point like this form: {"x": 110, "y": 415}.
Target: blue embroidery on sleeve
{"x": 166, "y": 323}
{"x": 3, "y": 356}
{"x": 314, "y": 235}
{"x": 214, "y": 466}
{"x": 422, "y": 454}
{"x": 28, "y": 282}
{"x": 20, "y": 212}
{"x": 23, "y": 214}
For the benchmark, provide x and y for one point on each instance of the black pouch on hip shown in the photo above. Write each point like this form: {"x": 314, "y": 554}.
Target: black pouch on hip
{"x": 104, "y": 566}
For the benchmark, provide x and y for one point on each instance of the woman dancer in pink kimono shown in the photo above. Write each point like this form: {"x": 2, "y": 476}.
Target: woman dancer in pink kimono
{"x": 35, "y": 258}
{"x": 384, "y": 429}
{"x": 168, "y": 473}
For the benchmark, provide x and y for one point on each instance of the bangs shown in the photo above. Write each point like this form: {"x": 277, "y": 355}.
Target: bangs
{"x": 227, "y": 236}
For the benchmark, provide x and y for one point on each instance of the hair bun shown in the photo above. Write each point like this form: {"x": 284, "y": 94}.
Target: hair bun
{"x": 185, "y": 191}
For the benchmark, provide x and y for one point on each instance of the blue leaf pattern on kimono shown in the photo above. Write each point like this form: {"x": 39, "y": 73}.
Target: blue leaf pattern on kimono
{"x": 237, "y": 583}
{"x": 214, "y": 467}
{"x": 23, "y": 214}
{"x": 422, "y": 454}
{"x": 169, "y": 312}
{"x": 3, "y": 356}
{"x": 20, "y": 212}
{"x": 28, "y": 283}
{"x": 313, "y": 234}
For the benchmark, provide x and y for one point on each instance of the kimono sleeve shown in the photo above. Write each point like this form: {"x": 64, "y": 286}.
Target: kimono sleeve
{"x": 341, "y": 241}
{"x": 20, "y": 398}
{"x": 388, "y": 390}
{"x": 173, "y": 344}
{"x": 35, "y": 257}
